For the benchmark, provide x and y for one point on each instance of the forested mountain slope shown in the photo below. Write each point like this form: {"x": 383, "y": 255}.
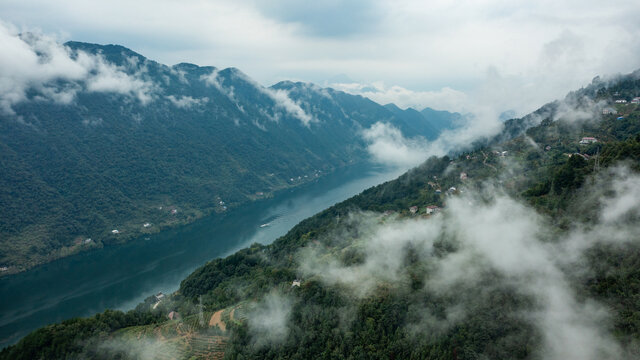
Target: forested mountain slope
{"x": 135, "y": 142}
{"x": 527, "y": 248}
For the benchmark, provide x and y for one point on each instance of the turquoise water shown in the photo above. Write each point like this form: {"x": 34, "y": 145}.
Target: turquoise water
{"x": 122, "y": 276}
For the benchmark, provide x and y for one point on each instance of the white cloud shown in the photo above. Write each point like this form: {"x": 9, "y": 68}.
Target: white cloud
{"x": 445, "y": 98}
{"x": 388, "y": 146}
{"x": 413, "y": 44}
{"x": 500, "y": 235}
{"x": 282, "y": 100}
{"x": 186, "y": 102}
{"x": 280, "y": 97}
{"x": 36, "y": 61}
{"x": 105, "y": 77}
{"x": 268, "y": 321}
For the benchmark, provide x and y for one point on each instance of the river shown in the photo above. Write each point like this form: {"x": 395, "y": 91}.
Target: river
{"x": 119, "y": 277}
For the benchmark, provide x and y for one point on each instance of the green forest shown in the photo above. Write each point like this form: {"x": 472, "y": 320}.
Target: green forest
{"x": 73, "y": 173}
{"x": 329, "y": 288}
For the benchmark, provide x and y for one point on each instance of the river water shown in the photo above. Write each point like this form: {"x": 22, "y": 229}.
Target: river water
{"x": 120, "y": 277}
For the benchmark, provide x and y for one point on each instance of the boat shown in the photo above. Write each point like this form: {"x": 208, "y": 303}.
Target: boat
{"x": 265, "y": 225}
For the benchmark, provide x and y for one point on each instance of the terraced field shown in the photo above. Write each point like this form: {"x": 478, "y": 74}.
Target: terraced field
{"x": 187, "y": 338}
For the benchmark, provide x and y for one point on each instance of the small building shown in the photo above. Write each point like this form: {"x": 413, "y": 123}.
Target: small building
{"x": 296, "y": 283}
{"x": 607, "y": 111}
{"x": 4, "y": 268}
{"x": 463, "y": 176}
{"x": 548, "y": 147}
{"x": 159, "y": 296}
{"x": 621, "y": 101}
{"x": 620, "y": 117}
{"x": 588, "y": 140}
{"x": 413, "y": 209}
{"x": 432, "y": 209}
{"x": 146, "y": 225}
{"x": 504, "y": 153}
{"x": 636, "y": 100}
{"x": 115, "y": 231}
{"x": 451, "y": 190}
{"x": 174, "y": 211}
{"x": 86, "y": 241}
{"x": 438, "y": 191}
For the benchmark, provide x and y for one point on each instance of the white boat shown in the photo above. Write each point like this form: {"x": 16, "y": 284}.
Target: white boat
{"x": 265, "y": 225}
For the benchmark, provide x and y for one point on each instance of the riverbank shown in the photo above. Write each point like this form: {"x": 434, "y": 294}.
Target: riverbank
{"x": 120, "y": 277}
{"x": 165, "y": 215}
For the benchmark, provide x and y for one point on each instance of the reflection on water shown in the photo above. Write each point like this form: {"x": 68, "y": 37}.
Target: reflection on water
{"x": 121, "y": 277}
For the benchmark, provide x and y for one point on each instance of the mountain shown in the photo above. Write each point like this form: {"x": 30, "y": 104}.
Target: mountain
{"x": 525, "y": 247}
{"x": 120, "y": 141}
{"x": 441, "y": 119}
{"x": 427, "y": 121}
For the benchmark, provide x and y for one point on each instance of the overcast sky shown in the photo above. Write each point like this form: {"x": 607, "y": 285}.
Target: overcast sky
{"x": 450, "y": 55}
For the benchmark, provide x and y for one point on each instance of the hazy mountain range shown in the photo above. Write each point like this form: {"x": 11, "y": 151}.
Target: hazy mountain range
{"x": 113, "y": 141}
{"x": 524, "y": 247}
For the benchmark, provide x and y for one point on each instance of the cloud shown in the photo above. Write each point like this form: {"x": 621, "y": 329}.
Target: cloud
{"x": 497, "y": 235}
{"x": 186, "y": 102}
{"x": 293, "y": 108}
{"x": 445, "y": 98}
{"x": 417, "y": 45}
{"x": 37, "y": 61}
{"x": 105, "y": 77}
{"x": 387, "y": 145}
{"x": 279, "y": 97}
{"x": 333, "y": 18}
{"x": 139, "y": 348}
{"x": 626, "y": 189}
{"x": 268, "y": 321}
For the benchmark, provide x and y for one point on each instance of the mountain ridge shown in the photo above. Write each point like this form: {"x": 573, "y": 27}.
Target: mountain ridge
{"x": 131, "y": 141}
{"x": 440, "y": 261}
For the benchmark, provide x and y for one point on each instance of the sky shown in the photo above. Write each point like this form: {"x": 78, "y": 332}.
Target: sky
{"x": 448, "y": 55}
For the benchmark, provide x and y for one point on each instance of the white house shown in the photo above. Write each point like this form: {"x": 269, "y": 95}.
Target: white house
{"x": 432, "y": 209}
{"x": 621, "y": 101}
{"x": 608, "y": 111}
{"x": 588, "y": 140}
{"x": 115, "y": 231}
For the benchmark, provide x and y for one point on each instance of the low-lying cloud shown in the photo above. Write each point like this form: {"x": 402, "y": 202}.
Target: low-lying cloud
{"x": 500, "y": 235}
{"x": 445, "y": 98}
{"x": 37, "y": 61}
{"x": 387, "y": 145}
{"x": 140, "y": 348}
{"x": 187, "y": 102}
{"x": 268, "y": 321}
{"x": 280, "y": 97}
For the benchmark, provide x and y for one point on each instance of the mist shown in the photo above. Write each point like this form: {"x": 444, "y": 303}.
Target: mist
{"x": 33, "y": 60}
{"x": 490, "y": 232}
